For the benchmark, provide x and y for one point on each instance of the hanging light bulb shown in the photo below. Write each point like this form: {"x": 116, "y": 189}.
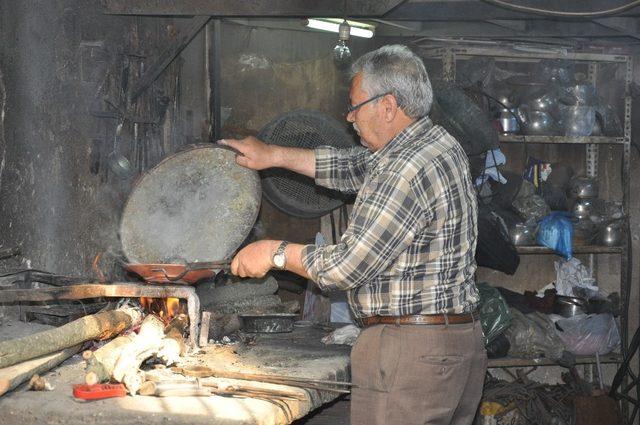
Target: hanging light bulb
{"x": 341, "y": 53}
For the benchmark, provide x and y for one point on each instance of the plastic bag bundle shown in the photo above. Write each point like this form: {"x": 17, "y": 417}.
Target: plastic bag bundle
{"x": 533, "y": 336}
{"x": 345, "y": 335}
{"x": 588, "y": 334}
{"x": 495, "y": 316}
{"x": 556, "y": 232}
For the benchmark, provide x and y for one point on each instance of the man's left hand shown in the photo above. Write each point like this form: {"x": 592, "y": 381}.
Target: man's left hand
{"x": 254, "y": 260}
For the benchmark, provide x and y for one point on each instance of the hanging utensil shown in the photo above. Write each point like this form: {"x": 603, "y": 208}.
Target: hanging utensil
{"x": 118, "y": 163}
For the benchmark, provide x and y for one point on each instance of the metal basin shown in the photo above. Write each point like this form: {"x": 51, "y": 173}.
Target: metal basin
{"x": 268, "y": 323}
{"x": 611, "y": 234}
{"x": 569, "y": 306}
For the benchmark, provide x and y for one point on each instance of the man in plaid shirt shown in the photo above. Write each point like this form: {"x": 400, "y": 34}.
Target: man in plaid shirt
{"x": 406, "y": 259}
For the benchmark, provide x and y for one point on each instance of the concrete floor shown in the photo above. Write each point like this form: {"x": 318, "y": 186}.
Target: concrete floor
{"x": 334, "y": 413}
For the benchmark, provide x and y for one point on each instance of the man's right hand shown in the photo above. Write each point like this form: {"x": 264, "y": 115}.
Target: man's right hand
{"x": 257, "y": 155}
{"x": 253, "y": 153}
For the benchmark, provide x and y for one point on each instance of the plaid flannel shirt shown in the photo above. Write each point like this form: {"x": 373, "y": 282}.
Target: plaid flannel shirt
{"x": 410, "y": 244}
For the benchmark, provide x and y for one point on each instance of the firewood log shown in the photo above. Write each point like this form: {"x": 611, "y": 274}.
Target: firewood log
{"x": 12, "y": 376}
{"x": 100, "y": 363}
{"x": 102, "y": 325}
{"x": 144, "y": 345}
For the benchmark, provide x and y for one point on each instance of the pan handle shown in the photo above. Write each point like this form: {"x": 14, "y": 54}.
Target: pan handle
{"x": 171, "y": 278}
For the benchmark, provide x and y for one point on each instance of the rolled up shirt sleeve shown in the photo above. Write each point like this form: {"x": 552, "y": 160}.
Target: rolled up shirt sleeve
{"x": 386, "y": 218}
{"x": 340, "y": 169}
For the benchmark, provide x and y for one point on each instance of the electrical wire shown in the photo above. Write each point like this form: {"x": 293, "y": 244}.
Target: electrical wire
{"x": 558, "y": 13}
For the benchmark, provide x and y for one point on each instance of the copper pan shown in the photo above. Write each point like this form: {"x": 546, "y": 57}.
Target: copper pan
{"x": 189, "y": 273}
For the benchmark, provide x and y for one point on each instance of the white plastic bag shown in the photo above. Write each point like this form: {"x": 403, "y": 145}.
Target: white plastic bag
{"x": 345, "y": 335}
{"x": 571, "y": 274}
{"x": 588, "y": 334}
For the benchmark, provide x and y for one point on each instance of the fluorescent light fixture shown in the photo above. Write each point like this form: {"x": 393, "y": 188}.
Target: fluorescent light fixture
{"x": 358, "y": 29}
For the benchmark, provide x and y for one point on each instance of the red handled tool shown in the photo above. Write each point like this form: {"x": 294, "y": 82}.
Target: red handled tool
{"x": 98, "y": 391}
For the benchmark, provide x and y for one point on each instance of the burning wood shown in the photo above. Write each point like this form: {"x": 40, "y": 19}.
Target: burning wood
{"x": 166, "y": 308}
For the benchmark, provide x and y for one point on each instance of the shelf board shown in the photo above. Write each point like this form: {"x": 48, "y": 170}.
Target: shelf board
{"x": 518, "y": 362}
{"x": 520, "y": 54}
{"x": 585, "y": 140}
{"x": 580, "y": 249}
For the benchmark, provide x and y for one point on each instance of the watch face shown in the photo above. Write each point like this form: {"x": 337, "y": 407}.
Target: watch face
{"x": 279, "y": 260}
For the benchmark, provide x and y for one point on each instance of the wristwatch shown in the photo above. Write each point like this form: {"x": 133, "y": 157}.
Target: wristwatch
{"x": 278, "y": 259}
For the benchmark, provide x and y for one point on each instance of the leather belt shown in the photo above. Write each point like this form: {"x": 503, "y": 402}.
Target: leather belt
{"x": 422, "y": 319}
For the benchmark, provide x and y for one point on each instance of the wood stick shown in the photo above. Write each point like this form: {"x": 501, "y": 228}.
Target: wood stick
{"x": 103, "y": 325}
{"x": 204, "y": 328}
{"x": 11, "y": 377}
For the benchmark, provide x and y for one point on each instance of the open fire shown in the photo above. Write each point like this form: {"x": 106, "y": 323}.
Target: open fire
{"x": 165, "y": 308}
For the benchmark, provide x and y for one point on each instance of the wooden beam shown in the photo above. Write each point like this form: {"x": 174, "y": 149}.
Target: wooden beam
{"x": 478, "y": 10}
{"x": 166, "y": 57}
{"x": 254, "y": 8}
{"x": 534, "y": 29}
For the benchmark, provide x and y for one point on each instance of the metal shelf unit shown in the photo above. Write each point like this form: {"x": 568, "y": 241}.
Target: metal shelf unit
{"x": 449, "y": 56}
{"x": 580, "y": 249}
{"x": 589, "y": 140}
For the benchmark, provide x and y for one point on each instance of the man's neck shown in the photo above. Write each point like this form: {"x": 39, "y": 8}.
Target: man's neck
{"x": 396, "y": 127}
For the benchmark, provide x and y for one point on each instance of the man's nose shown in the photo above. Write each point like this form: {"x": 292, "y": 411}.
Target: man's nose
{"x": 350, "y": 116}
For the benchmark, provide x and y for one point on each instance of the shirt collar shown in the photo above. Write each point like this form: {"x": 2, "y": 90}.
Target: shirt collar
{"x": 408, "y": 134}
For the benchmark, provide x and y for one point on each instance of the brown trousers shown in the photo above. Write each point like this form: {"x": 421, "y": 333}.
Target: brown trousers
{"x": 417, "y": 374}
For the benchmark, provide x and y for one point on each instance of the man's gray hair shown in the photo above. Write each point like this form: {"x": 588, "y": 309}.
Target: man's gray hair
{"x": 397, "y": 70}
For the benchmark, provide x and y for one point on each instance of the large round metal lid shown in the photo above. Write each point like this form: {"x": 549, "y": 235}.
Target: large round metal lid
{"x": 197, "y": 205}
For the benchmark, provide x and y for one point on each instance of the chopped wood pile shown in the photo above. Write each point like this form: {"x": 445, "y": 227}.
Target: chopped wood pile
{"x": 21, "y": 358}
{"x": 120, "y": 359}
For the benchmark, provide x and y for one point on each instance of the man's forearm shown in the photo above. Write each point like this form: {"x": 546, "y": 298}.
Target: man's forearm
{"x": 293, "y": 253}
{"x": 302, "y": 161}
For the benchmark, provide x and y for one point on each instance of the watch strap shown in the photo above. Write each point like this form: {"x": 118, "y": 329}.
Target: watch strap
{"x": 282, "y": 247}
{"x": 280, "y": 252}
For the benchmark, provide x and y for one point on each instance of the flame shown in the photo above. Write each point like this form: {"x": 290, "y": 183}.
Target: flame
{"x": 165, "y": 308}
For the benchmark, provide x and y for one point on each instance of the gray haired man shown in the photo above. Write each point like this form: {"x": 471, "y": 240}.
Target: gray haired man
{"x": 407, "y": 258}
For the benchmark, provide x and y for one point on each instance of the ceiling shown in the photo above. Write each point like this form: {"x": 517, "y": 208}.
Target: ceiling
{"x": 570, "y": 23}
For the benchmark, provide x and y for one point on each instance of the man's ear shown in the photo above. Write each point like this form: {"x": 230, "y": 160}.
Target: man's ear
{"x": 389, "y": 107}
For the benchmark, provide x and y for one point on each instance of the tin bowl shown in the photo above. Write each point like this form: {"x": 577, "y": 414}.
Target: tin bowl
{"x": 567, "y": 306}
{"x": 268, "y": 322}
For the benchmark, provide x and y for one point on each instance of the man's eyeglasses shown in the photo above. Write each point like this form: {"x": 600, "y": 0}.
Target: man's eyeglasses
{"x": 351, "y": 108}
